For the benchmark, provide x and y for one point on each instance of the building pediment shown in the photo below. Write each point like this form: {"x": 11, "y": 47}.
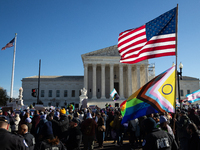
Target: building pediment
{"x": 108, "y": 51}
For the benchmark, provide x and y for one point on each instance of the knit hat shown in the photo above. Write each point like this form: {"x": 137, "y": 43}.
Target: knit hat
{"x": 63, "y": 111}
{"x": 28, "y": 120}
{"x": 163, "y": 119}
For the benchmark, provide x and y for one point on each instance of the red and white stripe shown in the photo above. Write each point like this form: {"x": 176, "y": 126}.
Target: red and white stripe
{"x": 7, "y": 46}
{"x": 134, "y": 47}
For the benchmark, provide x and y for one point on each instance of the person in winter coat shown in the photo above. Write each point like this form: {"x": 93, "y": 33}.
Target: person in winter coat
{"x": 110, "y": 118}
{"x": 88, "y": 128}
{"x": 35, "y": 121}
{"x": 194, "y": 118}
{"x": 63, "y": 123}
{"x": 51, "y": 143}
{"x": 100, "y": 131}
{"x": 132, "y": 127}
{"x": 28, "y": 123}
{"x": 43, "y": 129}
{"x": 194, "y": 141}
{"x": 29, "y": 138}
{"x": 14, "y": 127}
{"x": 9, "y": 141}
{"x": 181, "y": 129}
{"x": 155, "y": 138}
{"x": 74, "y": 136}
{"x": 117, "y": 127}
{"x": 22, "y": 121}
{"x": 164, "y": 125}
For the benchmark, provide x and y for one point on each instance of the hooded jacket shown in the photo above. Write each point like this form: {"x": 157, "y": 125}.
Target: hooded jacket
{"x": 63, "y": 123}
{"x": 157, "y": 139}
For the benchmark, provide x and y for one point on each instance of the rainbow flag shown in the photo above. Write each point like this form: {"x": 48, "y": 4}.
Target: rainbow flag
{"x": 158, "y": 95}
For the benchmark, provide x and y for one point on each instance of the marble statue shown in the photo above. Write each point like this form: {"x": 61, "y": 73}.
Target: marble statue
{"x": 83, "y": 92}
{"x": 20, "y": 93}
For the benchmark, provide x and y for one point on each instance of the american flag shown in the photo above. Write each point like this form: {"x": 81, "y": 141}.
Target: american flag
{"x": 156, "y": 38}
{"x": 10, "y": 44}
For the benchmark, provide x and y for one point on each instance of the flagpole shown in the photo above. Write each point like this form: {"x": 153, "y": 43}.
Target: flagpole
{"x": 13, "y": 68}
{"x": 176, "y": 64}
{"x": 176, "y": 50}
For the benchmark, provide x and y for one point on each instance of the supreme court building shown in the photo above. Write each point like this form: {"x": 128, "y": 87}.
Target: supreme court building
{"x": 102, "y": 73}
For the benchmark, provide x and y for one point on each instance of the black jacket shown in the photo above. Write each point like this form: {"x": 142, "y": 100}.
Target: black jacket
{"x": 46, "y": 145}
{"x": 194, "y": 118}
{"x": 74, "y": 137}
{"x": 181, "y": 127}
{"x": 30, "y": 140}
{"x": 159, "y": 139}
{"x": 194, "y": 142}
{"x": 35, "y": 121}
{"x": 63, "y": 124}
{"x": 10, "y": 141}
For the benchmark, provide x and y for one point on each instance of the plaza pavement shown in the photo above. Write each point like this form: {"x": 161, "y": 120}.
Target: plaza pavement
{"x": 108, "y": 145}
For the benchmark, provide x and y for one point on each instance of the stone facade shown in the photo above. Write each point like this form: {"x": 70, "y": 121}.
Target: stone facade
{"x": 188, "y": 85}
{"x": 102, "y": 73}
{"x": 54, "y": 83}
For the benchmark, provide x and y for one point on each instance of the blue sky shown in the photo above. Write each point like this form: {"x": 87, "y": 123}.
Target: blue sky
{"x": 59, "y": 31}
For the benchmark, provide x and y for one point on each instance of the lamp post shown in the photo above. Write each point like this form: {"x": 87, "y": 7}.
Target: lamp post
{"x": 179, "y": 74}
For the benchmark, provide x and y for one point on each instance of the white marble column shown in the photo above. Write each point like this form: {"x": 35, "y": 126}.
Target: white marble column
{"x": 146, "y": 73}
{"x": 94, "y": 82}
{"x": 121, "y": 82}
{"x": 111, "y": 78}
{"x": 129, "y": 80}
{"x": 138, "y": 76}
{"x": 86, "y": 76}
{"x": 103, "y": 81}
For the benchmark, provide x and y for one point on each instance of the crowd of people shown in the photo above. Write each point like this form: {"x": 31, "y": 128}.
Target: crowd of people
{"x": 69, "y": 128}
